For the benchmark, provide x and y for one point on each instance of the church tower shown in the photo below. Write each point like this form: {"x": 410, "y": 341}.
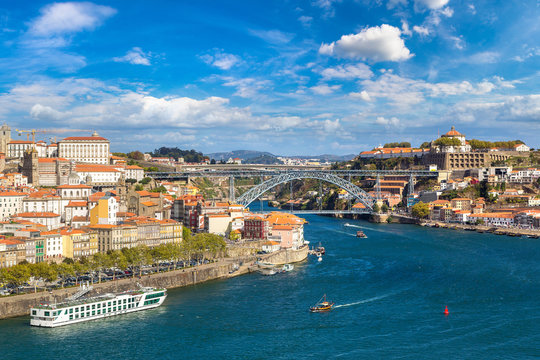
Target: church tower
{"x": 5, "y": 138}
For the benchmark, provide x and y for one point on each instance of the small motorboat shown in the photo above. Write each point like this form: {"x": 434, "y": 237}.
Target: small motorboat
{"x": 322, "y": 305}
{"x": 320, "y": 249}
{"x": 361, "y": 234}
{"x": 287, "y": 267}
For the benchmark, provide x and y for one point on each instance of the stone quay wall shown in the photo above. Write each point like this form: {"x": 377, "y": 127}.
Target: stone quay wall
{"x": 286, "y": 256}
{"x": 19, "y": 305}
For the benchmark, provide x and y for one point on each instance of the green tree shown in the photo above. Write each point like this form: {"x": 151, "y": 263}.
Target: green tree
{"x": 42, "y": 271}
{"x": 139, "y": 187}
{"x": 117, "y": 260}
{"x": 64, "y": 270}
{"x": 186, "y": 233}
{"x": 376, "y": 208}
{"x": 98, "y": 263}
{"x": 389, "y": 219}
{"x": 18, "y": 275}
{"x": 420, "y": 210}
{"x": 384, "y": 208}
{"x": 446, "y": 141}
{"x": 146, "y": 180}
{"x": 136, "y": 155}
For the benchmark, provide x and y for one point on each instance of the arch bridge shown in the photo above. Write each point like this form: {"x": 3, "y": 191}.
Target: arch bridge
{"x": 276, "y": 177}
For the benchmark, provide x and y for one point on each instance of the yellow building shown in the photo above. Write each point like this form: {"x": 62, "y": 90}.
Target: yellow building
{"x": 104, "y": 212}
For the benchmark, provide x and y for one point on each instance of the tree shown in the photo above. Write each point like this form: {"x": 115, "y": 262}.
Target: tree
{"x": 404, "y": 144}
{"x": 389, "y": 219}
{"x": 420, "y": 210}
{"x": 186, "y": 233}
{"x": 42, "y": 271}
{"x": 447, "y": 141}
{"x": 131, "y": 181}
{"x": 384, "y": 208}
{"x": 146, "y": 180}
{"x": 139, "y": 187}
{"x": 136, "y": 155}
{"x": 98, "y": 262}
{"x": 483, "y": 189}
{"x": 64, "y": 270}
{"x": 18, "y": 275}
{"x": 117, "y": 260}
{"x": 376, "y": 208}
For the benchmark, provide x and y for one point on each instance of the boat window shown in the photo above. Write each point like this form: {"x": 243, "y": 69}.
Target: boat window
{"x": 109, "y": 303}
{"x": 87, "y": 314}
{"x": 124, "y": 301}
{"x": 76, "y": 316}
{"x": 34, "y": 312}
{"x": 99, "y": 305}
{"x": 71, "y": 311}
{"x": 93, "y": 313}
{"x": 114, "y": 302}
{"x": 93, "y": 306}
{"x": 76, "y": 309}
{"x": 82, "y": 315}
{"x": 47, "y": 313}
{"x": 99, "y": 312}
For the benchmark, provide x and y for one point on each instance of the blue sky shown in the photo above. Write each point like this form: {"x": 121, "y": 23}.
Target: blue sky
{"x": 289, "y": 77}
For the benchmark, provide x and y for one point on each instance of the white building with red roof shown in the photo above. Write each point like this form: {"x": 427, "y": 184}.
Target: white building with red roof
{"x": 11, "y": 202}
{"x": 85, "y": 149}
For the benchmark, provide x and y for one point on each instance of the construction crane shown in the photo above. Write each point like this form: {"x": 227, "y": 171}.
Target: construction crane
{"x": 28, "y": 132}
{"x": 33, "y": 132}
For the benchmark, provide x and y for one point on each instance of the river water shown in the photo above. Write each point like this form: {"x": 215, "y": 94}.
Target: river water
{"x": 390, "y": 290}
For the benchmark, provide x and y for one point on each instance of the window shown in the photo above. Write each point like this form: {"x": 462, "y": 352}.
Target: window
{"x": 71, "y": 311}
{"x": 93, "y": 313}
{"x": 34, "y": 312}
{"x": 47, "y": 313}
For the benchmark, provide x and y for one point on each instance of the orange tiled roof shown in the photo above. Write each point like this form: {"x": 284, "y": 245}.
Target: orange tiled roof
{"x": 37, "y": 215}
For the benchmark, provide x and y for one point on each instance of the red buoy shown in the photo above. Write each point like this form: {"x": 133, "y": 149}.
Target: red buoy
{"x": 446, "y": 312}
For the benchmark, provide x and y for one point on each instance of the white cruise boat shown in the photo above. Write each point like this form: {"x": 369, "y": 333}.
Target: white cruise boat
{"x": 91, "y": 308}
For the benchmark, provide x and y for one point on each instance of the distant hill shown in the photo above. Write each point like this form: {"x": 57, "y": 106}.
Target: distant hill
{"x": 241, "y": 154}
{"x": 327, "y": 157}
{"x": 262, "y": 157}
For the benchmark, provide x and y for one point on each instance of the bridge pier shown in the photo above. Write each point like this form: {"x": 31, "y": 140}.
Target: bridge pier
{"x": 231, "y": 189}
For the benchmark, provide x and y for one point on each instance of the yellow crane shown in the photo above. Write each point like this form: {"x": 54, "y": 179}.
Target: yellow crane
{"x": 33, "y": 132}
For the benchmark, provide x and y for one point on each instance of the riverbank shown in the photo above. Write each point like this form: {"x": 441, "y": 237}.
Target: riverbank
{"x": 19, "y": 305}
{"x": 515, "y": 232}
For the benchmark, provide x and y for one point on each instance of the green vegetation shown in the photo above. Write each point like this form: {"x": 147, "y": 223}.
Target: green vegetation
{"x": 190, "y": 156}
{"x": 404, "y": 144}
{"x": 479, "y": 144}
{"x": 376, "y": 208}
{"x": 384, "y": 208}
{"x": 136, "y": 155}
{"x": 445, "y": 141}
{"x": 146, "y": 180}
{"x": 420, "y": 210}
{"x": 160, "y": 189}
{"x": 200, "y": 247}
{"x": 425, "y": 145}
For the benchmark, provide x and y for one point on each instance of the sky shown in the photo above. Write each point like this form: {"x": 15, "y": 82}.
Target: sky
{"x": 289, "y": 77}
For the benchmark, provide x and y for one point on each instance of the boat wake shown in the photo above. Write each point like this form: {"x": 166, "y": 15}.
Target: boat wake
{"x": 364, "y": 301}
{"x": 355, "y": 226}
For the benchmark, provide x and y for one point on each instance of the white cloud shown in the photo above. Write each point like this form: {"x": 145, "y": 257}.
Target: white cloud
{"x": 379, "y": 43}
{"x": 347, "y": 72}
{"x": 508, "y": 111}
{"x": 486, "y": 57}
{"x": 221, "y": 60}
{"x": 405, "y": 28}
{"x": 324, "y": 89}
{"x": 305, "y": 20}
{"x": 388, "y": 123}
{"x": 405, "y": 92}
{"x": 39, "y": 111}
{"x": 472, "y": 9}
{"x": 363, "y": 95}
{"x": 431, "y": 4}
{"x": 275, "y": 37}
{"x": 246, "y": 87}
{"x": 327, "y": 6}
{"x": 393, "y": 3}
{"x": 421, "y": 30}
{"x": 331, "y": 127}
{"x": 69, "y": 17}
{"x": 459, "y": 43}
{"x": 135, "y": 56}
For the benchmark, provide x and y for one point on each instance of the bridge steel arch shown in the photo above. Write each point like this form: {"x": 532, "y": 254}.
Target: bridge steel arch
{"x": 255, "y": 192}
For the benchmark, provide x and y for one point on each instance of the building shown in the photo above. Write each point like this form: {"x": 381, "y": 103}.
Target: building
{"x": 11, "y": 202}
{"x": 53, "y": 171}
{"x": 457, "y": 157}
{"x": 104, "y": 212}
{"x": 53, "y": 246}
{"x": 134, "y": 172}
{"x": 12, "y": 252}
{"x": 256, "y": 228}
{"x": 5, "y": 138}
{"x": 17, "y": 148}
{"x": 48, "y": 219}
{"x": 85, "y": 149}
{"x": 115, "y": 237}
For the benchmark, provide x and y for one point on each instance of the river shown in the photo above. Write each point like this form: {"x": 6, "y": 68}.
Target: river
{"x": 390, "y": 289}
